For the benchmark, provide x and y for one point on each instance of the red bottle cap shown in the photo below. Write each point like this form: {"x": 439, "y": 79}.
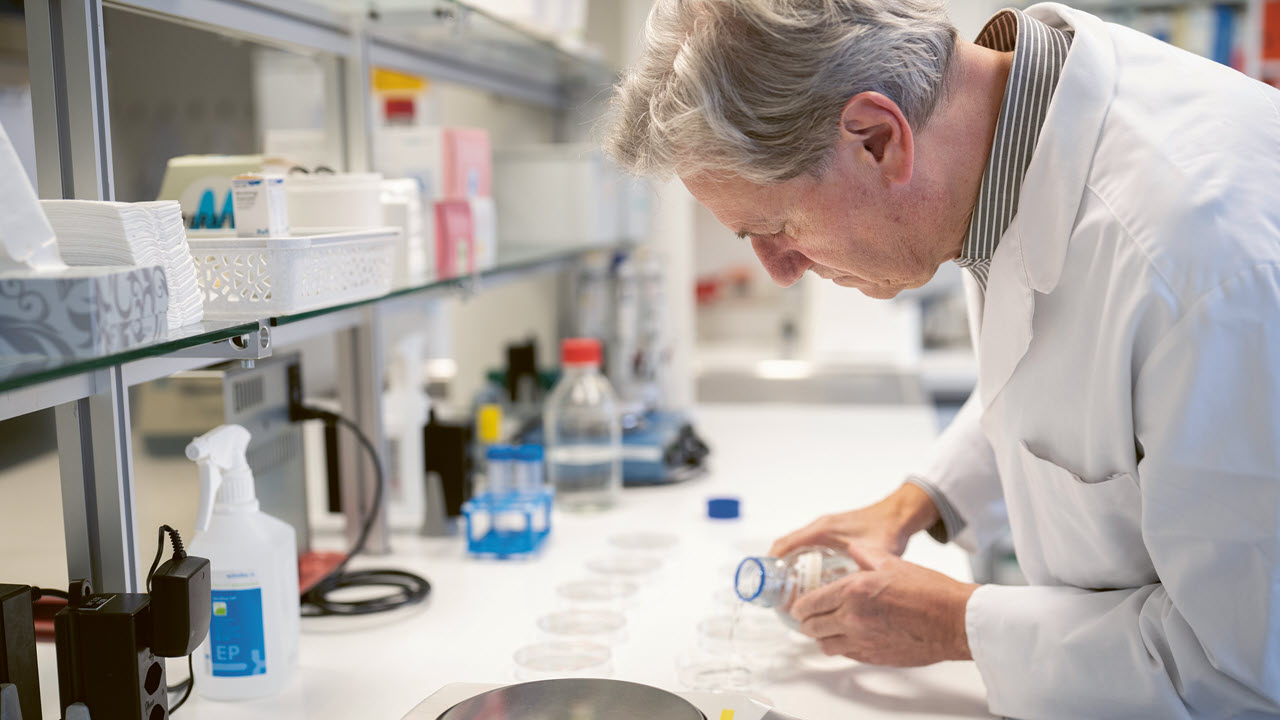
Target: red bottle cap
{"x": 580, "y": 351}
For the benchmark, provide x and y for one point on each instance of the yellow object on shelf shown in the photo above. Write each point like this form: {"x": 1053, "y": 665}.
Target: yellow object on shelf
{"x": 489, "y": 424}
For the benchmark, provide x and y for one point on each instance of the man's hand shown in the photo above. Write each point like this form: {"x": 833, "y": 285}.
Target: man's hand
{"x": 886, "y": 526}
{"x": 891, "y": 613}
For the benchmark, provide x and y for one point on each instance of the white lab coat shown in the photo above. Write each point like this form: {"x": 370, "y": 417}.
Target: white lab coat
{"x": 1128, "y": 406}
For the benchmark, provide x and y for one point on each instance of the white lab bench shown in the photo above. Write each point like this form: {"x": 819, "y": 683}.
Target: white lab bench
{"x": 788, "y": 464}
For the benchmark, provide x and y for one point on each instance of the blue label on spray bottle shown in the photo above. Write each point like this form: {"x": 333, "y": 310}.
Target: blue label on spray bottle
{"x": 237, "y": 646}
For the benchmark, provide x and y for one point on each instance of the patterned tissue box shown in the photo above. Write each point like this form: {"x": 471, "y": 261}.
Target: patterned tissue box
{"x": 81, "y": 311}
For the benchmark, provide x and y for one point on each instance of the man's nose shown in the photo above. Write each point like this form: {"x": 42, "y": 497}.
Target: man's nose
{"x": 785, "y": 266}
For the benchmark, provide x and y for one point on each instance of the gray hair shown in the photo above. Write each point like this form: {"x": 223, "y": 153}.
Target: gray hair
{"x": 755, "y": 88}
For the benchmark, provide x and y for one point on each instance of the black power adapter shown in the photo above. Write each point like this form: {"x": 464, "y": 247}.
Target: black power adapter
{"x": 180, "y": 600}
{"x": 109, "y": 645}
{"x": 18, "y": 647}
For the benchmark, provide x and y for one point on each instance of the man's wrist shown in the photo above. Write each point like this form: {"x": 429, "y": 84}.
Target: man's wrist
{"x": 913, "y": 510}
{"x": 959, "y": 627}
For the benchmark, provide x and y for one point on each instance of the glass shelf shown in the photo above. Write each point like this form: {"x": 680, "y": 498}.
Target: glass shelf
{"x": 513, "y": 260}
{"x": 26, "y": 370}
{"x": 478, "y": 46}
{"x": 23, "y": 370}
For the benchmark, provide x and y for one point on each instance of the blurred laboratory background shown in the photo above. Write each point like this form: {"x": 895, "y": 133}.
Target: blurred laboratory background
{"x": 396, "y": 212}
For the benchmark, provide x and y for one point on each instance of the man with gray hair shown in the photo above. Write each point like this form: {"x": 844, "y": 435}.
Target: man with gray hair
{"x": 1116, "y": 203}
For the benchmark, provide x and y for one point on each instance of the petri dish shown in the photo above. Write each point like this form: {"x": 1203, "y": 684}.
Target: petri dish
{"x": 599, "y": 592}
{"x": 563, "y": 659}
{"x": 600, "y": 626}
{"x": 644, "y": 541}
{"x": 752, "y": 635}
{"x": 702, "y": 671}
{"x": 624, "y": 565}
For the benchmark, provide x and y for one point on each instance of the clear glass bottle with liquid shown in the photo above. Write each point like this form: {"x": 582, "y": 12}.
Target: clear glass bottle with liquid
{"x": 583, "y": 431}
{"x": 777, "y": 582}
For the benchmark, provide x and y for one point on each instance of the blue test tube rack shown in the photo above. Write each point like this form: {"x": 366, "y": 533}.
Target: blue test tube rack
{"x": 512, "y": 518}
{"x": 509, "y": 524}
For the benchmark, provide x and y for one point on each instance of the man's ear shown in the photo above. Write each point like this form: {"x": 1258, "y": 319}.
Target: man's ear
{"x": 874, "y": 132}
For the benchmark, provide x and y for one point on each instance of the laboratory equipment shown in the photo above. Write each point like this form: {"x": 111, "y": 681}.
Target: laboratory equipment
{"x": 562, "y": 659}
{"x": 600, "y": 593}
{"x": 499, "y": 470}
{"x": 449, "y": 464}
{"x": 600, "y": 626}
{"x": 586, "y": 698}
{"x": 583, "y": 431}
{"x": 506, "y": 520}
{"x": 624, "y": 565}
{"x": 18, "y": 648}
{"x": 777, "y": 582}
{"x": 527, "y": 469}
{"x": 644, "y": 541}
{"x": 661, "y": 447}
{"x": 252, "y": 646}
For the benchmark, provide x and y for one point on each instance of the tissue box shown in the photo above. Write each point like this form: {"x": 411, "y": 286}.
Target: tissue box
{"x": 81, "y": 311}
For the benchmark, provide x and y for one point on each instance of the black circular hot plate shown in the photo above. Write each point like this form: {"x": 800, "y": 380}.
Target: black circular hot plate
{"x": 575, "y": 699}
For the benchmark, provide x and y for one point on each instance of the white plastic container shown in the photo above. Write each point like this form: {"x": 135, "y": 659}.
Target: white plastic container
{"x": 352, "y": 200}
{"x": 252, "y": 647}
{"x": 583, "y": 431}
{"x": 557, "y": 194}
{"x": 261, "y": 277}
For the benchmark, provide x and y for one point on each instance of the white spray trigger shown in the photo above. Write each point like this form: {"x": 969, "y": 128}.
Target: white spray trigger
{"x": 219, "y": 451}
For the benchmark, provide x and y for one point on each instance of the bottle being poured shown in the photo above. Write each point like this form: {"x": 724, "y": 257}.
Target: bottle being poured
{"x": 778, "y": 582}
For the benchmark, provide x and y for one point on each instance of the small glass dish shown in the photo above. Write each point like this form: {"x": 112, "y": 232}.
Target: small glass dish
{"x": 621, "y": 565}
{"x": 561, "y": 659}
{"x": 751, "y": 635}
{"x": 600, "y": 593}
{"x": 706, "y": 672}
{"x": 644, "y": 541}
{"x": 601, "y": 626}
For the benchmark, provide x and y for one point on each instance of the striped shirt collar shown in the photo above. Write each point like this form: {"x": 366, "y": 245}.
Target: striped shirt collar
{"x": 1039, "y": 52}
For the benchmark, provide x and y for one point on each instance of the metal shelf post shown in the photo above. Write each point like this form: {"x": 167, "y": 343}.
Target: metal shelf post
{"x": 360, "y": 372}
{"x": 95, "y": 461}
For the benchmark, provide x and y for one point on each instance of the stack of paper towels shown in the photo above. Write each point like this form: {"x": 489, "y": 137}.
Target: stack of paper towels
{"x": 92, "y": 233}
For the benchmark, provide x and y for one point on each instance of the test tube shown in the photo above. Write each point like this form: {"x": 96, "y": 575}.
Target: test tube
{"x": 498, "y": 468}
{"x": 528, "y": 468}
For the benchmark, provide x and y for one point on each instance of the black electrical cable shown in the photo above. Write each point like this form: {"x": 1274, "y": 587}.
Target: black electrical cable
{"x": 178, "y": 552}
{"x": 42, "y": 592}
{"x": 409, "y": 589}
{"x": 187, "y": 684}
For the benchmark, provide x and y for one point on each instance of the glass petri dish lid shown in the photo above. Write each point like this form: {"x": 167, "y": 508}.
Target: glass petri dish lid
{"x": 624, "y": 565}
{"x": 600, "y": 626}
{"x": 597, "y": 590}
{"x": 563, "y": 659}
{"x": 644, "y": 541}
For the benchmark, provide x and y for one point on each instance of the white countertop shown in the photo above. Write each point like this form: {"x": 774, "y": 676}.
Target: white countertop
{"x": 788, "y": 464}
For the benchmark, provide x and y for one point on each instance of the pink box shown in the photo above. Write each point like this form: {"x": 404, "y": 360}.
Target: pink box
{"x": 468, "y": 163}
{"x": 455, "y": 239}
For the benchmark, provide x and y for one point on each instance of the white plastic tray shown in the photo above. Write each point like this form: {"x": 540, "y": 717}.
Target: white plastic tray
{"x": 312, "y": 269}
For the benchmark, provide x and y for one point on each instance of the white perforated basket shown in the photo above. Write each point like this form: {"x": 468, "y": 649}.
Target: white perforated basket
{"x": 268, "y": 277}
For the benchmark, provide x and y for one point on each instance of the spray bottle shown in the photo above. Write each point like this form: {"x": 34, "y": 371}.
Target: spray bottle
{"x": 252, "y": 646}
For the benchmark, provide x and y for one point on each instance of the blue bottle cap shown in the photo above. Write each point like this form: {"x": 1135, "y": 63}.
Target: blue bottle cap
{"x": 529, "y": 453}
{"x": 500, "y": 452}
{"x": 724, "y": 508}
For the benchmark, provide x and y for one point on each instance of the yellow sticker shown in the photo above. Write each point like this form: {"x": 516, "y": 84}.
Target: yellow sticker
{"x": 726, "y": 715}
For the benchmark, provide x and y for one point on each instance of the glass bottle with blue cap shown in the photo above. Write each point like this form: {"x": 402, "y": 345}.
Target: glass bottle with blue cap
{"x": 777, "y": 582}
